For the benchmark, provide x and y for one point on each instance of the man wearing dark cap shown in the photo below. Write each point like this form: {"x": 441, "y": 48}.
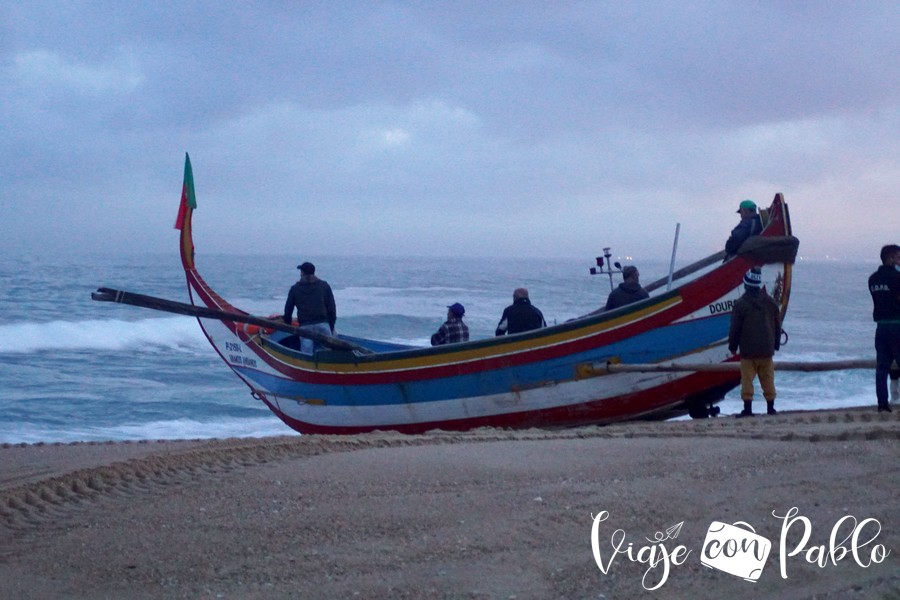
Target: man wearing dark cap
{"x": 750, "y": 225}
{"x": 629, "y": 290}
{"x": 756, "y": 331}
{"x": 884, "y": 286}
{"x": 315, "y": 305}
{"x": 520, "y": 316}
{"x": 453, "y": 330}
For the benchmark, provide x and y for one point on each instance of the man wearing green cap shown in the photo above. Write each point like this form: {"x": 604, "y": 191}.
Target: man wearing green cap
{"x": 750, "y": 225}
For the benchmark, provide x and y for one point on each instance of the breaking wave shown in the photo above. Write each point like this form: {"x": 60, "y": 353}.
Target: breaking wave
{"x": 169, "y": 332}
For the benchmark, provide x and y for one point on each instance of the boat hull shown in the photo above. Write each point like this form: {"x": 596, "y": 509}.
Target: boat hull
{"x": 546, "y": 381}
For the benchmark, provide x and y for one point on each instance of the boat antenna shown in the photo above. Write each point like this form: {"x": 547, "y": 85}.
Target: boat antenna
{"x": 605, "y": 267}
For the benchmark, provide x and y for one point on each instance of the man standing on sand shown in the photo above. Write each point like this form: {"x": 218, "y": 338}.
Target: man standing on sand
{"x": 756, "y": 331}
{"x": 884, "y": 285}
{"x": 315, "y": 305}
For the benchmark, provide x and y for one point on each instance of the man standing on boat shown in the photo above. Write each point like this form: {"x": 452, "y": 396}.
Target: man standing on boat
{"x": 629, "y": 290}
{"x": 314, "y": 301}
{"x": 750, "y": 225}
{"x": 453, "y": 330}
{"x": 520, "y": 316}
{"x": 756, "y": 331}
{"x": 884, "y": 285}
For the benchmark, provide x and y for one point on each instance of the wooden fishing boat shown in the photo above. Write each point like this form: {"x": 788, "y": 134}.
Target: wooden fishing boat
{"x": 552, "y": 377}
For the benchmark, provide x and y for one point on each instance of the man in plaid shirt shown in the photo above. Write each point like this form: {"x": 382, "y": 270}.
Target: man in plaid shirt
{"x": 453, "y": 330}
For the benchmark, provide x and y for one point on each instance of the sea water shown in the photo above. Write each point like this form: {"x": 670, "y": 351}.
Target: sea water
{"x": 72, "y": 369}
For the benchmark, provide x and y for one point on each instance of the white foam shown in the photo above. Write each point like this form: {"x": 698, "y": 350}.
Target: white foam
{"x": 169, "y": 332}
{"x": 175, "y": 429}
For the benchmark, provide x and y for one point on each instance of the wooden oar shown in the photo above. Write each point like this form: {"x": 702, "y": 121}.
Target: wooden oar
{"x": 121, "y": 297}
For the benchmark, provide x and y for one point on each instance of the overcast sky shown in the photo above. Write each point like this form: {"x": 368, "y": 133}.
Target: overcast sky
{"x": 447, "y": 128}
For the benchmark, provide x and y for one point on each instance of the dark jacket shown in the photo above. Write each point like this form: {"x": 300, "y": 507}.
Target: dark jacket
{"x": 755, "y": 325}
{"x": 884, "y": 285}
{"x": 314, "y": 302}
{"x": 520, "y": 316}
{"x": 744, "y": 229}
{"x": 626, "y": 293}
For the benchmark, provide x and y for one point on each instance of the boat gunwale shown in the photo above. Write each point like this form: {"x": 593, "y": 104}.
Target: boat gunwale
{"x": 523, "y": 342}
{"x": 317, "y": 369}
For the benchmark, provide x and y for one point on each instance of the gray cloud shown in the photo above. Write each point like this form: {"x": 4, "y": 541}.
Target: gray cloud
{"x": 463, "y": 128}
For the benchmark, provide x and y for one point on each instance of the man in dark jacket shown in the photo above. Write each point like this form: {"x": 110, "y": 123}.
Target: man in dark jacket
{"x": 884, "y": 285}
{"x": 314, "y": 301}
{"x": 756, "y": 331}
{"x": 628, "y": 291}
{"x": 750, "y": 225}
{"x": 520, "y": 315}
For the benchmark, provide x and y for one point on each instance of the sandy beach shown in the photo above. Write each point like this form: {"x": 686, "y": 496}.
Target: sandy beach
{"x": 482, "y": 514}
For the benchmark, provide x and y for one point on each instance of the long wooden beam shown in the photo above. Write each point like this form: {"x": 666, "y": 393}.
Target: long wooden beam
{"x": 833, "y": 365}
{"x": 203, "y": 312}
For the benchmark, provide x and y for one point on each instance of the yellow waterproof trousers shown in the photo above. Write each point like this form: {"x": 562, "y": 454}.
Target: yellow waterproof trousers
{"x": 764, "y": 368}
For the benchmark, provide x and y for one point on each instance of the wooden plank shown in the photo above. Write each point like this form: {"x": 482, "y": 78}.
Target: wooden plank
{"x": 203, "y": 312}
{"x": 834, "y": 365}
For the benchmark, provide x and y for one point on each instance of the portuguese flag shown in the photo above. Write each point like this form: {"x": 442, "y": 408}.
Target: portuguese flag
{"x": 188, "y": 199}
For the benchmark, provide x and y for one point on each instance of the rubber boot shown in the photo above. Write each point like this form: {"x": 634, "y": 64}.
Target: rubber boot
{"x": 747, "y": 412}
{"x": 770, "y": 407}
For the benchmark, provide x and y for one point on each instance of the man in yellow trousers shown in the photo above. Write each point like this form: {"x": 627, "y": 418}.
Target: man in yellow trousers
{"x": 756, "y": 332}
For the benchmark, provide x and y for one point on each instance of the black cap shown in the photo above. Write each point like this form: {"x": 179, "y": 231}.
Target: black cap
{"x": 307, "y": 268}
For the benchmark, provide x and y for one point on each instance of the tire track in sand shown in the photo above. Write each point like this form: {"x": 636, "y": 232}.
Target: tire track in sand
{"x": 33, "y": 503}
